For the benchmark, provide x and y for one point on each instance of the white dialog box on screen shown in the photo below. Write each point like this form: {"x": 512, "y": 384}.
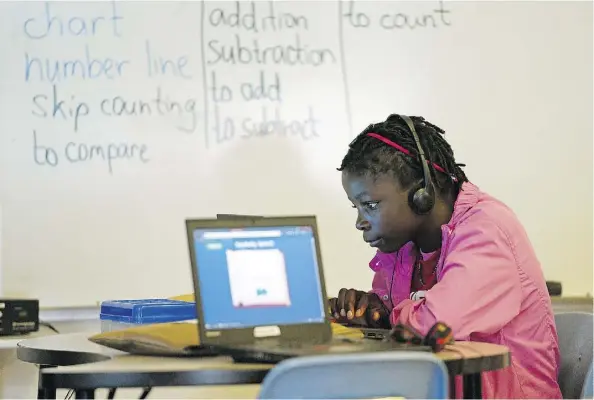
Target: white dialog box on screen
{"x": 258, "y": 278}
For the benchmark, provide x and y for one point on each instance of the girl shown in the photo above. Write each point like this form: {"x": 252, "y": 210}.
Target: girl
{"x": 446, "y": 252}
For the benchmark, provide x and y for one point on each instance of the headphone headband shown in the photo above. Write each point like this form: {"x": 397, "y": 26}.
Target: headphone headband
{"x": 402, "y": 149}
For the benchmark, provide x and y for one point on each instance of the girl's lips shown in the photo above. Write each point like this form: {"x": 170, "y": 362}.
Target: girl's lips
{"x": 375, "y": 243}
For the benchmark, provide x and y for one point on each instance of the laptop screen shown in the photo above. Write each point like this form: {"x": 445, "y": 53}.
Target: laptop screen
{"x": 258, "y": 276}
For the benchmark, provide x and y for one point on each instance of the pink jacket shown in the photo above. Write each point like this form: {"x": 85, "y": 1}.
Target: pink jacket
{"x": 490, "y": 288}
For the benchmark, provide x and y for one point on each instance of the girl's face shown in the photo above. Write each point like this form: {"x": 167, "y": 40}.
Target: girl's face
{"x": 383, "y": 214}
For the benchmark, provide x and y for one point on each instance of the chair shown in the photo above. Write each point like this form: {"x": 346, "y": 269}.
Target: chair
{"x": 358, "y": 376}
{"x": 588, "y": 390}
{"x": 575, "y": 345}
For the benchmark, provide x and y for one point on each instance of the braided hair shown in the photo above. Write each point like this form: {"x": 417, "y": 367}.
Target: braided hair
{"x": 372, "y": 157}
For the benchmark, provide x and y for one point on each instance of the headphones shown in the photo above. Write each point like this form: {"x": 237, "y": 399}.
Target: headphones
{"x": 421, "y": 198}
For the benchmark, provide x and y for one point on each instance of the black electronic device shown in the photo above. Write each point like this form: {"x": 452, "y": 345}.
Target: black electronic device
{"x": 18, "y": 316}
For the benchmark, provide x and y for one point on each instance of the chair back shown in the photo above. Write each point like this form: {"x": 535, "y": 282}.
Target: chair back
{"x": 588, "y": 390}
{"x": 574, "y": 330}
{"x": 410, "y": 374}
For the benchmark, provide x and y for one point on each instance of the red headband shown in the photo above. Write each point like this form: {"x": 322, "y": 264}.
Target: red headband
{"x": 402, "y": 149}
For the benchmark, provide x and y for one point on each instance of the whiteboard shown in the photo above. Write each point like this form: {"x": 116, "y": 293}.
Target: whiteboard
{"x": 119, "y": 120}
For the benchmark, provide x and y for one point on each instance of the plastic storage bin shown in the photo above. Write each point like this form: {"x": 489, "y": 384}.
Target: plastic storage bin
{"x": 122, "y": 314}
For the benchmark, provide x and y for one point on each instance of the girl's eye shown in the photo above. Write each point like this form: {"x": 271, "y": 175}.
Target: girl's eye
{"x": 372, "y": 205}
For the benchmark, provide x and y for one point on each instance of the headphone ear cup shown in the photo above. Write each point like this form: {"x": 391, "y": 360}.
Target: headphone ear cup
{"x": 421, "y": 200}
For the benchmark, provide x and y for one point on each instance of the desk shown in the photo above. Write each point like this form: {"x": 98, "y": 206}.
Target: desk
{"x": 10, "y": 342}
{"x": 85, "y": 366}
{"x": 11, "y": 368}
{"x": 64, "y": 349}
{"x": 572, "y": 304}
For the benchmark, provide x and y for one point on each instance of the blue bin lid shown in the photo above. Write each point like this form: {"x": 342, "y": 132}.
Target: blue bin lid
{"x": 147, "y": 311}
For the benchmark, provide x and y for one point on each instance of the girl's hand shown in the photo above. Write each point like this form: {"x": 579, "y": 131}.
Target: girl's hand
{"x": 355, "y": 307}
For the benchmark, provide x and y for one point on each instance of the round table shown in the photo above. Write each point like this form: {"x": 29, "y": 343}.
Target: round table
{"x": 85, "y": 366}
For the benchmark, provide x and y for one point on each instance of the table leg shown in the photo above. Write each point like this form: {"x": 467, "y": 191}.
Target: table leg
{"x": 473, "y": 386}
{"x": 44, "y": 392}
{"x": 84, "y": 394}
{"x": 452, "y": 386}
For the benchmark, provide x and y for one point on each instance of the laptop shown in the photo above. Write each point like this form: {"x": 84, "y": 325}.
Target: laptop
{"x": 368, "y": 333}
{"x": 238, "y": 216}
{"x": 260, "y": 290}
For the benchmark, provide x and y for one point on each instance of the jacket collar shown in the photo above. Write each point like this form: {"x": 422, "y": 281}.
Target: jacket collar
{"x": 467, "y": 198}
